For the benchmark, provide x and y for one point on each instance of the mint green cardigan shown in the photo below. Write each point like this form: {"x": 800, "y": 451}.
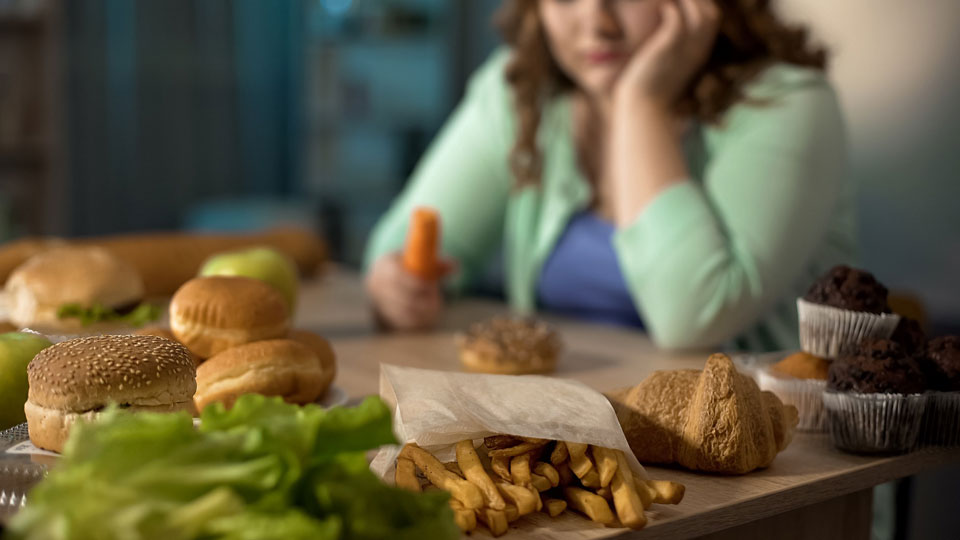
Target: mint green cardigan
{"x": 715, "y": 261}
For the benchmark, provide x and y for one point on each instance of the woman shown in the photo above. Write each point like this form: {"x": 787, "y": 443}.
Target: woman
{"x": 671, "y": 164}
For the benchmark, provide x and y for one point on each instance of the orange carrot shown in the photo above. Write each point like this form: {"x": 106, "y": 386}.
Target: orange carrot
{"x": 423, "y": 242}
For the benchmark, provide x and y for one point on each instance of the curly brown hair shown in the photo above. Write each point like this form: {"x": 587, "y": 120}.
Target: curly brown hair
{"x": 750, "y": 38}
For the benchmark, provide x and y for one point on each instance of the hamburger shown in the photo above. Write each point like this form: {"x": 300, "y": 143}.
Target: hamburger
{"x": 77, "y": 379}
{"x": 71, "y": 289}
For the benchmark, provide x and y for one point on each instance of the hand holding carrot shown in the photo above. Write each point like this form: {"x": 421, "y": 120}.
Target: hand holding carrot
{"x": 406, "y": 286}
{"x": 423, "y": 243}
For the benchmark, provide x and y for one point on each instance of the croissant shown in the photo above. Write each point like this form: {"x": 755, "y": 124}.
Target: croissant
{"x": 715, "y": 420}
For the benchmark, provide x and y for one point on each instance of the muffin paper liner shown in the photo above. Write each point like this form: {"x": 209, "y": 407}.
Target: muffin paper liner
{"x": 941, "y": 420}
{"x": 804, "y": 394}
{"x": 828, "y": 332}
{"x": 874, "y": 423}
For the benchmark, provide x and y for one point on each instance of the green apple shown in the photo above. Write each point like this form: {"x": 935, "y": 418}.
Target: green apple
{"x": 17, "y": 349}
{"x": 261, "y": 263}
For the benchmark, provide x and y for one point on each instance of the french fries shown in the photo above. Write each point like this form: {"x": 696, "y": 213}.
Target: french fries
{"x": 591, "y": 479}
{"x": 459, "y": 489}
{"x": 590, "y": 504}
{"x": 537, "y": 499}
{"x": 554, "y": 507}
{"x": 512, "y": 513}
{"x": 473, "y": 470}
{"x": 501, "y": 466}
{"x": 521, "y": 497}
{"x": 580, "y": 464}
{"x": 566, "y": 475}
{"x": 521, "y": 448}
{"x": 606, "y": 464}
{"x": 495, "y": 520}
{"x": 559, "y": 454}
{"x": 540, "y": 483}
{"x": 454, "y": 468}
{"x": 662, "y": 491}
{"x": 547, "y": 471}
{"x": 625, "y": 497}
{"x": 520, "y": 469}
{"x": 527, "y": 475}
{"x": 495, "y": 442}
{"x": 465, "y": 519}
{"x": 406, "y": 475}
{"x": 667, "y": 492}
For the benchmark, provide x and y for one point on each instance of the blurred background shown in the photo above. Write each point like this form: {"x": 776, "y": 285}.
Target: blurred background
{"x": 123, "y": 115}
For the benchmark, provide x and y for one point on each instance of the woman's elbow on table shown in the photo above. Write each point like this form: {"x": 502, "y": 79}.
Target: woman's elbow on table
{"x": 679, "y": 331}
{"x": 698, "y": 321}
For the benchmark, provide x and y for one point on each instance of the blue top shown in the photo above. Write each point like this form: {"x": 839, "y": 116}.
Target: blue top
{"x": 582, "y": 277}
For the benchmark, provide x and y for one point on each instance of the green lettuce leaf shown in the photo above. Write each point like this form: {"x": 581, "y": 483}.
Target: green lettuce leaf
{"x": 97, "y": 313}
{"x": 264, "y": 469}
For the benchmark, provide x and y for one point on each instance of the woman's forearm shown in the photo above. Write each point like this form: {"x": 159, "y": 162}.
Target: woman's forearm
{"x": 645, "y": 157}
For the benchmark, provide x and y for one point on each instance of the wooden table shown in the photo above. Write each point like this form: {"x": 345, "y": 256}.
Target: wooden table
{"x": 810, "y": 491}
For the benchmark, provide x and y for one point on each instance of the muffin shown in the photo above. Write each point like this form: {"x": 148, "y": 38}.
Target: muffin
{"x": 879, "y": 366}
{"x": 874, "y": 399}
{"x": 509, "y": 346}
{"x": 850, "y": 289}
{"x": 802, "y": 365}
{"x": 940, "y": 361}
{"x": 799, "y": 380}
{"x": 909, "y": 335}
{"x": 842, "y": 308}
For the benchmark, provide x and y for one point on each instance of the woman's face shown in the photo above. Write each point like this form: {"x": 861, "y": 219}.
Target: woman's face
{"x": 592, "y": 40}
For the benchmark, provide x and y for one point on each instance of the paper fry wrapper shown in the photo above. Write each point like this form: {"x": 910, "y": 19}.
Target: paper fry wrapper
{"x": 941, "y": 420}
{"x": 804, "y": 394}
{"x": 828, "y": 332}
{"x": 437, "y": 409}
{"x": 874, "y": 423}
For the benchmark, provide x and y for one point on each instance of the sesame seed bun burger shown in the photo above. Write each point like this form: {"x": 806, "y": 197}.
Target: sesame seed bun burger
{"x": 212, "y": 314}
{"x": 76, "y": 379}
{"x": 277, "y": 367}
{"x": 76, "y": 289}
{"x": 166, "y": 333}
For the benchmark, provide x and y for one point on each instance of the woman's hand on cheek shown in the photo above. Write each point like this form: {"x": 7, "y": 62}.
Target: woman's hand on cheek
{"x": 661, "y": 69}
{"x": 401, "y": 300}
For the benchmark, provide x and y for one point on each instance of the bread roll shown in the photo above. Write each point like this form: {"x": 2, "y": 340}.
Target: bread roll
{"x": 279, "y": 367}
{"x": 212, "y": 314}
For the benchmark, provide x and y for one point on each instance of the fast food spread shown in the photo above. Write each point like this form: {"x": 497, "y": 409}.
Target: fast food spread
{"x": 487, "y": 450}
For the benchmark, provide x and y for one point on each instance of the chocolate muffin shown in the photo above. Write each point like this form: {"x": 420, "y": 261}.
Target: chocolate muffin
{"x": 848, "y": 288}
{"x": 909, "y": 335}
{"x": 941, "y": 363}
{"x": 877, "y": 366}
